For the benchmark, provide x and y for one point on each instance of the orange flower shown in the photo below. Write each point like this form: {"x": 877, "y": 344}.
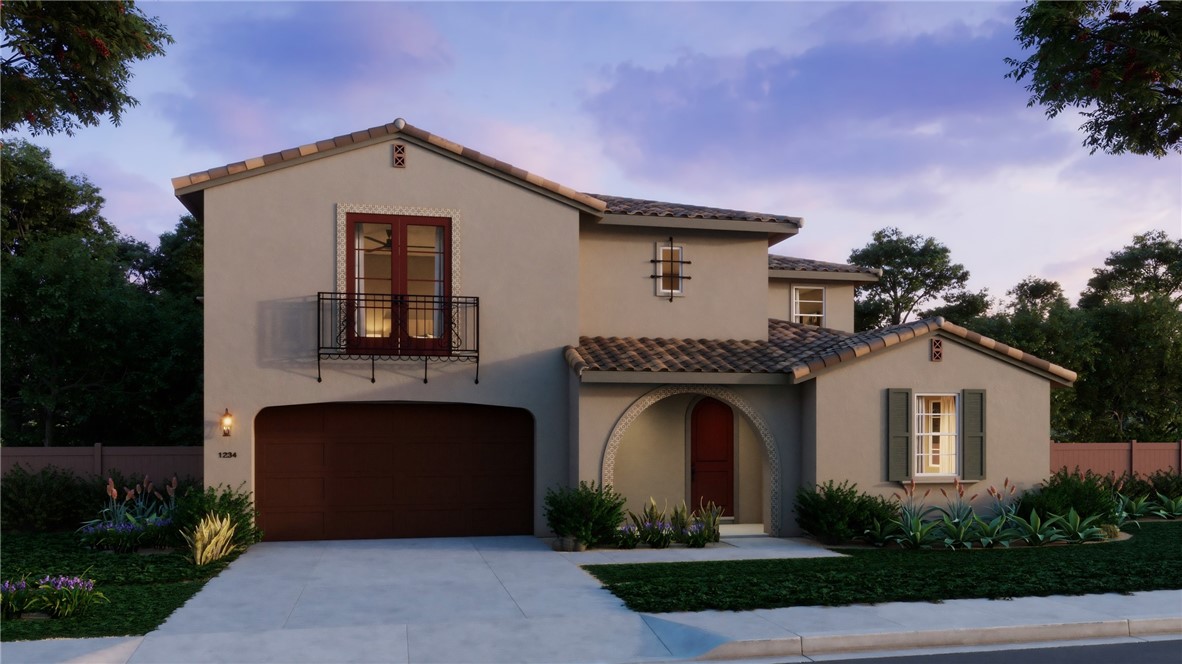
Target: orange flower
{"x": 111, "y": 490}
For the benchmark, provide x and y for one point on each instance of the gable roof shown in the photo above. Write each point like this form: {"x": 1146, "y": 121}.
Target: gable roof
{"x": 791, "y": 348}
{"x": 646, "y": 208}
{"x": 791, "y": 263}
{"x": 200, "y": 180}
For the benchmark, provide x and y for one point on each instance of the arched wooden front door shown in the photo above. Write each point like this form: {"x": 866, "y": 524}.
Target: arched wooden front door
{"x": 712, "y": 455}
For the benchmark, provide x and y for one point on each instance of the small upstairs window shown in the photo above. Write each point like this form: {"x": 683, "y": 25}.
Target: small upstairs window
{"x": 669, "y": 269}
{"x": 808, "y": 305}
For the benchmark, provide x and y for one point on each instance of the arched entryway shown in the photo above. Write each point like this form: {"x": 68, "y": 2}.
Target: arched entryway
{"x": 688, "y": 396}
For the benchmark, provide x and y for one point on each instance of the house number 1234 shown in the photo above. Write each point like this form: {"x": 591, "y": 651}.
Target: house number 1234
{"x": 227, "y": 455}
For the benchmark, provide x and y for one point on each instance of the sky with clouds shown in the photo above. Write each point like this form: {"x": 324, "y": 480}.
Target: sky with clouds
{"x": 855, "y": 116}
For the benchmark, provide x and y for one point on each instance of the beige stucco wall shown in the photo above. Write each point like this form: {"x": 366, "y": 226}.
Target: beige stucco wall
{"x": 724, "y": 299}
{"x": 839, "y": 301}
{"x": 850, "y": 439}
{"x": 651, "y": 456}
{"x": 270, "y": 246}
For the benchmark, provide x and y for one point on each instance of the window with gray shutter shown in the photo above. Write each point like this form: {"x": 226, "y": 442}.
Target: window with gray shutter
{"x": 898, "y": 434}
{"x": 973, "y": 426}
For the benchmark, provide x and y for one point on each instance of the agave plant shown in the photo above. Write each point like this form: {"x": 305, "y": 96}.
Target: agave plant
{"x": 881, "y": 533}
{"x": 1037, "y": 531}
{"x": 1128, "y": 510}
{"x": 1166, "y": 507}
{"x": 995, "y": 531}
{"x": 1077, "y": 530}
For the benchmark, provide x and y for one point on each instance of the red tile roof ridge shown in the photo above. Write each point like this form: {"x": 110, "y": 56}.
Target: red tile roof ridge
{"x": 398, "y": 126}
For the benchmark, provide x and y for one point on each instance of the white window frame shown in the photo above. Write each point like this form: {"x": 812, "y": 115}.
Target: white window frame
{"x": 797, "y": 315}
{"x": 919, "y": 454}
{"x": 678, "y": 264}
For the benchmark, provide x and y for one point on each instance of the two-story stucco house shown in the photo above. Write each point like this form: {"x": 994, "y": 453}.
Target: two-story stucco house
{"x": 416, "y": 339}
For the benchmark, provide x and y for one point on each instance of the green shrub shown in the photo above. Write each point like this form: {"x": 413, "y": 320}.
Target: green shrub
{"x": 47, "y": 500}
{"x": 1167, "y": 482}
{"x": 589, "y": 512}
{"x": 1089, "y": 494}
{"x": 1134, "y": 485}
{"x": 836, "y": 513}
{"x": 236, "y": 504}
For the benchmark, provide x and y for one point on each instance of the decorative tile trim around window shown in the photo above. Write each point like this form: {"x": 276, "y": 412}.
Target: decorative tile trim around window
{"x": 343, "y": 209}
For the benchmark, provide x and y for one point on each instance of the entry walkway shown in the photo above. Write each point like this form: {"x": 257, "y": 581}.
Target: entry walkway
{"x": 512, "y": 599}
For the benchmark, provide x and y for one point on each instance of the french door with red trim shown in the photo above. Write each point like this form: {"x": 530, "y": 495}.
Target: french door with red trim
{"x": 399, "y": 283}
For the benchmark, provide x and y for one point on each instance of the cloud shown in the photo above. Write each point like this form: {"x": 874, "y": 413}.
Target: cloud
{"x": 141, "y": 207}
{"x": 261, "y": 76}
{"x": 875, "y": 112}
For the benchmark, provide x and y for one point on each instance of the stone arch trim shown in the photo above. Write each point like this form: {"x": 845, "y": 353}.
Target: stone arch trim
{"x": 723, "y": 394}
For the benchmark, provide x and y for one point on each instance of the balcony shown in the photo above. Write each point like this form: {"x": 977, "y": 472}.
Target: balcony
{"x": 374, "y": 326}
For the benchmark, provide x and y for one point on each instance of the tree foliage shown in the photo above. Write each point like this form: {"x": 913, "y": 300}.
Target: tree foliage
{"x": 1123, "y": 65}
{"x": 1151, "y": 266}
{"x": 1124, "y": 341}
{"x": 102, "y": 334}
{"x": 915, "y": 270}
{"x": 39, "y": 199}
{"x": 66, "y": 64}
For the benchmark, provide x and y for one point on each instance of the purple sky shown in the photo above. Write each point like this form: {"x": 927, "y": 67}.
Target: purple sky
{"x": 854, "y": 116}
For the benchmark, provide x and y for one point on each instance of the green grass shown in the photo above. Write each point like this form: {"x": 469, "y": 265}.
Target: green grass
{"x": 1152, "y": 560}
{"x": 143, "y": 589}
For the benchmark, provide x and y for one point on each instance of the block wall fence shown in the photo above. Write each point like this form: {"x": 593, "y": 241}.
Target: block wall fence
{"x": 1117, "y": 458}
{"x": 157, "y": 462}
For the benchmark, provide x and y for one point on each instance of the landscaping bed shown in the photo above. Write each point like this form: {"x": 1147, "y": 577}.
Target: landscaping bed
{"x": 1151, "y": 560}
{"x": 146, "y": 550}
{"x": 142, "y": 590}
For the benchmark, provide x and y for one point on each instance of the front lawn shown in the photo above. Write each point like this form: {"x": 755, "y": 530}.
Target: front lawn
{"x": 143, "y": 589}
{"x": 1152, "y": 560}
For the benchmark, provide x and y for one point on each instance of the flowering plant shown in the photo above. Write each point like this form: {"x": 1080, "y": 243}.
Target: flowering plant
{"x": 696, "y": 534}
{"x": 64, "y": 596}
{"x": 15, "y": 598}
{"x": 627, "y": 536}
{"x": 657, "y": 534}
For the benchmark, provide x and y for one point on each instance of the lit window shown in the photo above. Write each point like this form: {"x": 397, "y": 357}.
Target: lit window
{"x": 668, "y": 273}
{"x": 936, "y": 439}
{"x": 808, "y": 305}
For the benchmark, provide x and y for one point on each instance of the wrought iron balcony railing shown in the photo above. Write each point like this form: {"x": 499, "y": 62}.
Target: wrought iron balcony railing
{"x": 374, "y": 326}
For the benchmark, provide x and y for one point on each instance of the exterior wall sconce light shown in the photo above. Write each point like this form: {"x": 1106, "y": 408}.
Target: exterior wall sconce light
{"x": 227, "y": 422}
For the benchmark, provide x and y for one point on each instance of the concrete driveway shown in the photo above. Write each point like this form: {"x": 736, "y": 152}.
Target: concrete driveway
{"x": 416, "y": 600}
{"x": 512, "y": 599}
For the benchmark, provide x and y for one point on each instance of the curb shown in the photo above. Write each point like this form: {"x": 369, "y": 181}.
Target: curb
{"x": 807, "y": 646}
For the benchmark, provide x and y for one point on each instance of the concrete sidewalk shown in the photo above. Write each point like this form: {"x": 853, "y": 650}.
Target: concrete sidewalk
{"x": 511, "y": 599}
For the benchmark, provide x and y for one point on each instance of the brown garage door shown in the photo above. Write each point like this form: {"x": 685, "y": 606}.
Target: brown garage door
{"x": 364, "y": 470}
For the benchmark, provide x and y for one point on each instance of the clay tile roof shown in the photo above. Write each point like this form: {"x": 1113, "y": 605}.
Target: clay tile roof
{"x": 647, "y": 208}
{"x": 791, "y": 348}
{"x": 788, "y": 343}
{"x": 777, "y": 262}
{"x": 399, "y": 126}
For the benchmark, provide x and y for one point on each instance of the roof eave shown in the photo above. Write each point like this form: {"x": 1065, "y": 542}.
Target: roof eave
{"x": 770, "y": 228}
{"x": 820, "y": 275}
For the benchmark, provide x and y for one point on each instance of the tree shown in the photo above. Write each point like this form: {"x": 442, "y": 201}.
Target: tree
{"x": 66, "y": 63}
{"x": 915, "y": 270}
{"x": 101, "y": 334}
{"x": 41, "y": 201}
{"x": 961, "y": 307}
{"x": 1124, "y": 66}
{"x": 1151, "y": 266}
{"x": 72, "y": 327}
